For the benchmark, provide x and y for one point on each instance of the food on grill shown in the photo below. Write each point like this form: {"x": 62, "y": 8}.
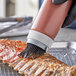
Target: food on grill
{"x": 45, "y": 65}
{"x": 9, "y": 49}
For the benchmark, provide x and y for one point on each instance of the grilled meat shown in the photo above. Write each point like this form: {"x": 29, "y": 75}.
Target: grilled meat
{"x": 45, "y": 65}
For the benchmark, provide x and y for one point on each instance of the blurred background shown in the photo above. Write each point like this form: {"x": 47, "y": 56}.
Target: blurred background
{"x": 18, "y": 7}
{"x": 27, "y": 10}
{"x": 24, "y": 10}
{"x": 21, "y": 8}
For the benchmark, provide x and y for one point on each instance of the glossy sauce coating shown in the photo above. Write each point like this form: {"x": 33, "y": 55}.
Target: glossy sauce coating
{"x": 45, "y": 65}
{"x": 51, "y": 17}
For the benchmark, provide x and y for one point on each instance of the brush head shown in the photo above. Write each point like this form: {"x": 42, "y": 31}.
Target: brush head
{"x": 32, "y": 51}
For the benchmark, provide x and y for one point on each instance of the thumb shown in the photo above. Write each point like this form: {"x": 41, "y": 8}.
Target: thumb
{"x": 58, "y": 1}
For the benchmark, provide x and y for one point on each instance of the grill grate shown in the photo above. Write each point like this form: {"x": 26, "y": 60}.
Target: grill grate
{"x": 7, "y": 71}
{"x": 65, "y": 55}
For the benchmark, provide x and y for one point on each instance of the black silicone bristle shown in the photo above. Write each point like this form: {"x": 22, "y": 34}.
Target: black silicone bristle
{"x": 32, "y": 51}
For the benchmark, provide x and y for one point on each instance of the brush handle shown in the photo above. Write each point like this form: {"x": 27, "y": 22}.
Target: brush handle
{"x": 48, "y": 22}
{"x": 51, "y": 18}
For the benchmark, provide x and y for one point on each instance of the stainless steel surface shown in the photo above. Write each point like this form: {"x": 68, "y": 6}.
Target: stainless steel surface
{"x": 66, "y": 55}
{"x": 64, "y": 51}
{"x": 72, "y": 45}
{"x": 60, "y": 45}
{"x": 7, "y": 71}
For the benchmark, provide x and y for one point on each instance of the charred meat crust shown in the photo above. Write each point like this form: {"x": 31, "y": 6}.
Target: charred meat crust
{"x": 45, "y": 65}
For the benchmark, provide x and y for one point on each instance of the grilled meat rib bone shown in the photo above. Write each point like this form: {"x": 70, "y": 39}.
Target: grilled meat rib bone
{"x": 45, "y": 65}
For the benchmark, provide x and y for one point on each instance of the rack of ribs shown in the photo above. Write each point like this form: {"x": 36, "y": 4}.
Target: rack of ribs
{"x": 45, "y": 65}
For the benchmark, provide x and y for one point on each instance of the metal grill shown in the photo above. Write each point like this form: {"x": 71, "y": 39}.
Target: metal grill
{"x": 7, "y": 71}
{"x": 66, "y": 55}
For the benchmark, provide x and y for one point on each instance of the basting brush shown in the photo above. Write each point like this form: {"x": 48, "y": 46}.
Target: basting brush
{"x": 32, "y": 51}
{"x": 45, "y": 28}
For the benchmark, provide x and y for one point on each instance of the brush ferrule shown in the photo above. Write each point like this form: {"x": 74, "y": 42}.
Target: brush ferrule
{"x": 37, "y": 43}
{"x": 39, "y": 39}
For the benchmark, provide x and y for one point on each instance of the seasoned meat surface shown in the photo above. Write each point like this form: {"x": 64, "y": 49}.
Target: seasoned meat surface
{"x": 45, "y": 65}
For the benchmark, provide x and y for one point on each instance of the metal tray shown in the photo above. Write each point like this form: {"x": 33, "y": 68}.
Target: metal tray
{"x": 7, "y": 71}
{"x": 64, "y": 51}
{"x": 65, "y": 55}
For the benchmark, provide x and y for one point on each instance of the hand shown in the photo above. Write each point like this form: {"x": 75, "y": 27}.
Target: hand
{"x": 72, "y": 13}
